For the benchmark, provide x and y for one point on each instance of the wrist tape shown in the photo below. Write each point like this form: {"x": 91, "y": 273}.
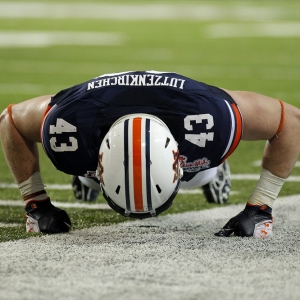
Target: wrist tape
{"x": 33, "y": 189}
{"x": 267, "y": 189}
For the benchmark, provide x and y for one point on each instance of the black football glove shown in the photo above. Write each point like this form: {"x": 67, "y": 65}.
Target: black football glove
{"x": 253, "y": 221}
{"x": 43, "y": 216}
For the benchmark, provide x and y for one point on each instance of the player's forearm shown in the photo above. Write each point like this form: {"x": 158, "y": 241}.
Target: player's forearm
{"x": 21, "y": 154}
{"x": 280, "y": 158}
{"x": 280, "y": 155}
{"x": 281, "y": 151}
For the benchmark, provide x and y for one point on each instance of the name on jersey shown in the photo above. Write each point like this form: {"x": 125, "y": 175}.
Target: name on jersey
{"x": 137, "y": 80}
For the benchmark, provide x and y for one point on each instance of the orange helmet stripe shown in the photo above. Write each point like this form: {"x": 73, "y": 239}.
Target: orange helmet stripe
{"x": 137, "y": 163}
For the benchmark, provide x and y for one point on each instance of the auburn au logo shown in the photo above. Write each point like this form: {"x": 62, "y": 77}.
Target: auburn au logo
{"x": 101, "y": 168}
{"x": 176, "y": 165}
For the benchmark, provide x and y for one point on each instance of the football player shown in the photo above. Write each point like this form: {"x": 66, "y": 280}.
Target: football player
{"x": 139, "y": 136}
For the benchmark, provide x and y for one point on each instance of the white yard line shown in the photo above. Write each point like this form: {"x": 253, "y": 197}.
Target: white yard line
{"x": 51, "y": 38}
{"x": 161, "y": 11}
{"x": 187, "y": 191}
{"x": 9, "y": 225}
{"x": 105, "y": 206}
{"x": 274, "y": 30}
{"x": 47, "y": 186}
{"x": 60, "y": 204}
{"x": 257, "y": 163}
{"x": 83, "y": 204}
{"x": 28, "y": 88}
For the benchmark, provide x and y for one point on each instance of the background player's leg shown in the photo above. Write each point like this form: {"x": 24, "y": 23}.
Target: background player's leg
{"x": 215, "y": 183}
{"x": 85, "y": 189}
{"x": 200, "y": 179}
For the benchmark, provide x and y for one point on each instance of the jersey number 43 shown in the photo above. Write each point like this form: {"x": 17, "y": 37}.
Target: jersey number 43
{"x": 200, "y": 138}
{"x": 61, "y": 127}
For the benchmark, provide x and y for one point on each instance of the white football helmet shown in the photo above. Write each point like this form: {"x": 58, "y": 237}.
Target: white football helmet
{"x": 138, "y": 167}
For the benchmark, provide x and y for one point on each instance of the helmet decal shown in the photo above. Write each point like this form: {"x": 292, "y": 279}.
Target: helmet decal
{"x": 100, "y": 168}
{"x": 175, "y": 165}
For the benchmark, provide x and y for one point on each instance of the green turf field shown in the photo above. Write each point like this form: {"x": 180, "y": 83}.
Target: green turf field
{"x": 46, "y": 46}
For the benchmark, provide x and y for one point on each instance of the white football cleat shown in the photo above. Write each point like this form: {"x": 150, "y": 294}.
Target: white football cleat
{"x": 218, "y": 189}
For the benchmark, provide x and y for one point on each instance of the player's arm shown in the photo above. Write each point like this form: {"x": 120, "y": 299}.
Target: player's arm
{"x": 19, "y": 134}
{"x": 278, "y": 123}
{"x": 262, "y": 116}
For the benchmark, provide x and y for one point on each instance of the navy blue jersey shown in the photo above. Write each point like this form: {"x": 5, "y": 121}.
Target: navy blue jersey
{"x": 203, "y": 119}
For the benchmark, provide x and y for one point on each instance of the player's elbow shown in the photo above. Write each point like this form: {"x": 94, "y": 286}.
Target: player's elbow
{"x": 291, "y": 123}
{"x": 6, "y": 122}
{"x": 4, "y": 119}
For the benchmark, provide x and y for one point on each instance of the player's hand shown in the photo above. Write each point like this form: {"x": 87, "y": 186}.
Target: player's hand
{"x": 44, "y": 217}
{"x": 253, "y": 221}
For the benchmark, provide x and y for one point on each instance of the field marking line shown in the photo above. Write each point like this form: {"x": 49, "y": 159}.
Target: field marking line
{"x": 187, "y": 191}
{"x": 257, "y": 163}
{"x": 31, "y": 39}
{"x": 105, "y": 206}
{"x": 157, "y": 11}
{"x": 67, "y": 68}
{"x": 47, "y": 186}
{"x": 60, "y": 204}
{"x": 9, "y": 225}
{"x": 273, "y": 30}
